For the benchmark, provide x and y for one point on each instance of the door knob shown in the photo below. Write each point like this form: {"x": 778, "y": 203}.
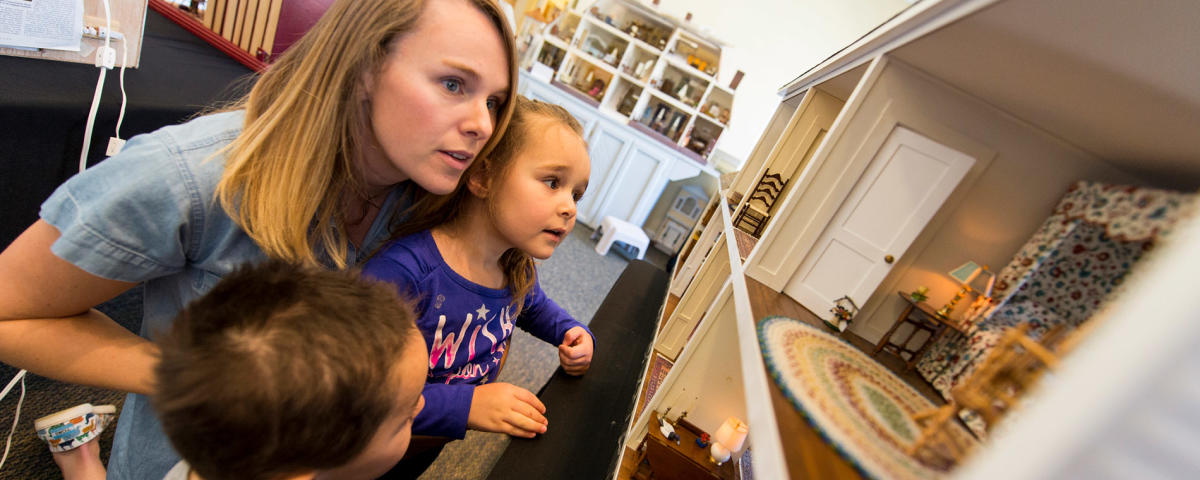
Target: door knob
{"x": 889, "y": 259}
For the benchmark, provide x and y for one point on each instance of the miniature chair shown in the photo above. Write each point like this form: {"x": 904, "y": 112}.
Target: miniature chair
{"x": 995, "y": 388}
{"x": 757, "y": 209}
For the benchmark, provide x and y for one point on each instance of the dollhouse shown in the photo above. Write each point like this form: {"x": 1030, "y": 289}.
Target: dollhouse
{"x": 950, "y": 134}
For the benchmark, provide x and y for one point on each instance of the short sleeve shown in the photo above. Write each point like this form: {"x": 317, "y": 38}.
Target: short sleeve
{"x": 128, "y": 218}
{"x": 387, "y": 266}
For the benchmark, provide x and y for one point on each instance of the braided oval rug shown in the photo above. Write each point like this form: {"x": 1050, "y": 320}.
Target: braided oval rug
{"x": 859, "y": 407}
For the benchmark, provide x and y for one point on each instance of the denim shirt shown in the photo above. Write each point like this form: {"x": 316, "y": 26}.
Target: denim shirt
{"x": 149, "y": 214}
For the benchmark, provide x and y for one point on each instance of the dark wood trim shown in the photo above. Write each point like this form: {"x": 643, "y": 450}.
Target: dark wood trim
{"x": 191, "y": 24}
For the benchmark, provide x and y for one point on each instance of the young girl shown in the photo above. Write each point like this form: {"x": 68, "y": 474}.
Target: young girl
{"x": 308, "y": 168}
{"x": 472, "y": 273}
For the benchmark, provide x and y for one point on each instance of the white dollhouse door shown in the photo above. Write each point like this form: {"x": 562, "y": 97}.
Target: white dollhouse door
{"x": 900, "y": 191}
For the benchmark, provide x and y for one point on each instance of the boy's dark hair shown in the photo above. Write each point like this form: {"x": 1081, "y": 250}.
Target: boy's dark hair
{"x": 281, "y": 370}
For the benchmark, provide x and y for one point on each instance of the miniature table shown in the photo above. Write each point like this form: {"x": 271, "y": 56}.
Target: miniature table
{"x": 922, "y": 317}
{"x": 684, "y": 461}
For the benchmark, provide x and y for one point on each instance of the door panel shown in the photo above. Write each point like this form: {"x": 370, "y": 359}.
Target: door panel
{"x": 905, "y": 184}
{"x": 606, "y": 150}
{"x": 634, "y": 180}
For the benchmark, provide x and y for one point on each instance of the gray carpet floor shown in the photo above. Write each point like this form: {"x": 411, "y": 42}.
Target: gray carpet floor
{"x": 575, "y": 277}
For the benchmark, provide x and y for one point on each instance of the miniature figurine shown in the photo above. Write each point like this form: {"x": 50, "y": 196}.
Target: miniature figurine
{"x": 920, "y": 294}
{"x": 597, "y": 87}
{"x": 667, "y": 429}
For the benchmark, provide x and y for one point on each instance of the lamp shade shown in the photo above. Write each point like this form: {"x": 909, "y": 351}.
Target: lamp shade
{"x": 732, "y": 434}
{"x": 966, "y": 272}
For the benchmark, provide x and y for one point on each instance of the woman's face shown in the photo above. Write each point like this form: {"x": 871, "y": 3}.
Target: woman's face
{"x": 434, "y": 102}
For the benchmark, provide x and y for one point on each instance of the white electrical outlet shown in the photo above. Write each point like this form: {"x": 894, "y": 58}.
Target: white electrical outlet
{"x": 106, "y": 57}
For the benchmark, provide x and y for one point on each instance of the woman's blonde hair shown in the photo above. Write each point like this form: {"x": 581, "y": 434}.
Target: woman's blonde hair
{"x": 290, "y": 170}
{"x": 529, "y": 117}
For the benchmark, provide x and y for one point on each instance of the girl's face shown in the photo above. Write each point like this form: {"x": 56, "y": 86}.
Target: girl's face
{"x": 434, "y": 102}
{"x": 533, "y": 205}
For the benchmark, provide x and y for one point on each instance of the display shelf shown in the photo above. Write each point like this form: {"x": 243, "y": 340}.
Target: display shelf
{"x": 682, "y": 65}
{"x": 563, "y": 28}
{"x": 694, "y": 50}
{"x": 608, "y": 45}
{"x": 629, "y": 78}
{"x": 552, "y": 56}
{"x": 615, "y": 51}
{"x": 666, "y": 97}
{"x": 555, "y": 41}
{"x": 711, "y": 120}
{"x": 682, "y": 86}
{"x": 703, "y": 135}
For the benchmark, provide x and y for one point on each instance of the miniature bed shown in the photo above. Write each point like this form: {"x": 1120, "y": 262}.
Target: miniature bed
{"x": 1071, "y": 266}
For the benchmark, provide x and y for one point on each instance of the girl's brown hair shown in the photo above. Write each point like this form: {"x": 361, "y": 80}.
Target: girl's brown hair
{"x": 289, "y": 171}
{"x": 528, "y": 118}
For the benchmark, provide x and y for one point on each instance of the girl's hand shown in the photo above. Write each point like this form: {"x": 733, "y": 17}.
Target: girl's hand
{"x": 575, "y": 353}
{"x": 506, "y": 408}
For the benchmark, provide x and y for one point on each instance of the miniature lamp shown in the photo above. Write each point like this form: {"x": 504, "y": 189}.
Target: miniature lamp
{"x": 965, "y": 274}
{"x": 728, "y": 439}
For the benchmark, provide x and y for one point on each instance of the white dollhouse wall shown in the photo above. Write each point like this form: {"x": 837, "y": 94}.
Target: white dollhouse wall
{"x": 710, "y": 389}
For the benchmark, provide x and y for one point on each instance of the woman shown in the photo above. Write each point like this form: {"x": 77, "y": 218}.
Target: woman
{"x": 307, "y": 168}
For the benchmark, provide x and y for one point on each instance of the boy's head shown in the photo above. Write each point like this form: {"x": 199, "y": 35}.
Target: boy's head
{"x": 283, "y": 371}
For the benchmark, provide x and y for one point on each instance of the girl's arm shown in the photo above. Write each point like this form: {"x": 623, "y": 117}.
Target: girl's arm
{"x": 48, "y": 326}
{"x": 494, "y": 407}
{"x": 545, "y": 319}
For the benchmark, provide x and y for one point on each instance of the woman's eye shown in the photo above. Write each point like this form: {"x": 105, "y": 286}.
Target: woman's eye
{"x": 493, "y": 104}
{"x": 551, "y": 182}
{"x": 453, "y": 85}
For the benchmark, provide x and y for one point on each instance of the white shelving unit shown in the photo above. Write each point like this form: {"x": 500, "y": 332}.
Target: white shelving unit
{"x": 638, "y": 65}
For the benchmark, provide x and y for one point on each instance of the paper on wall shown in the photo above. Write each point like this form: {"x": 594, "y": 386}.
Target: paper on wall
{"x": 49, "y": 24}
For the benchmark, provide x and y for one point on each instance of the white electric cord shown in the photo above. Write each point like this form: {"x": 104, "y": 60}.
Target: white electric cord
{"x": 124, "y": 61}
{"x": 16, "y": 416}
{"x": 87, "y": 130}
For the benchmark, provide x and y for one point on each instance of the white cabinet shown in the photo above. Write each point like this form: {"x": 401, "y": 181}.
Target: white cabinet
{"x": 634, "y": 63}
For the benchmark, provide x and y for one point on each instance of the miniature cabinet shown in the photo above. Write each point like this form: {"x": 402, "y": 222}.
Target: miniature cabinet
{"x": 654, "y": 72}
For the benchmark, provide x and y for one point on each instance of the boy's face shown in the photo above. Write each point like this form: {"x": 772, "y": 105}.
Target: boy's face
{"x": 534, "y": 204}
{"x": 391, "y": 439}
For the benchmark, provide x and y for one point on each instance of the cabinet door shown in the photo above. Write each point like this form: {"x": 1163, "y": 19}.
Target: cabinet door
{"x": 607, "y": 148}
{"x": 638, "y": 183}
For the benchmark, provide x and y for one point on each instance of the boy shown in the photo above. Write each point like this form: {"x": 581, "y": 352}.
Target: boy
{"x": 285, "y": 372}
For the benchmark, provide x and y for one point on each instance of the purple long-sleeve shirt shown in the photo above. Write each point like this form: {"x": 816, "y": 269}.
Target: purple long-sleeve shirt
{"x": 466, "y": 327}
